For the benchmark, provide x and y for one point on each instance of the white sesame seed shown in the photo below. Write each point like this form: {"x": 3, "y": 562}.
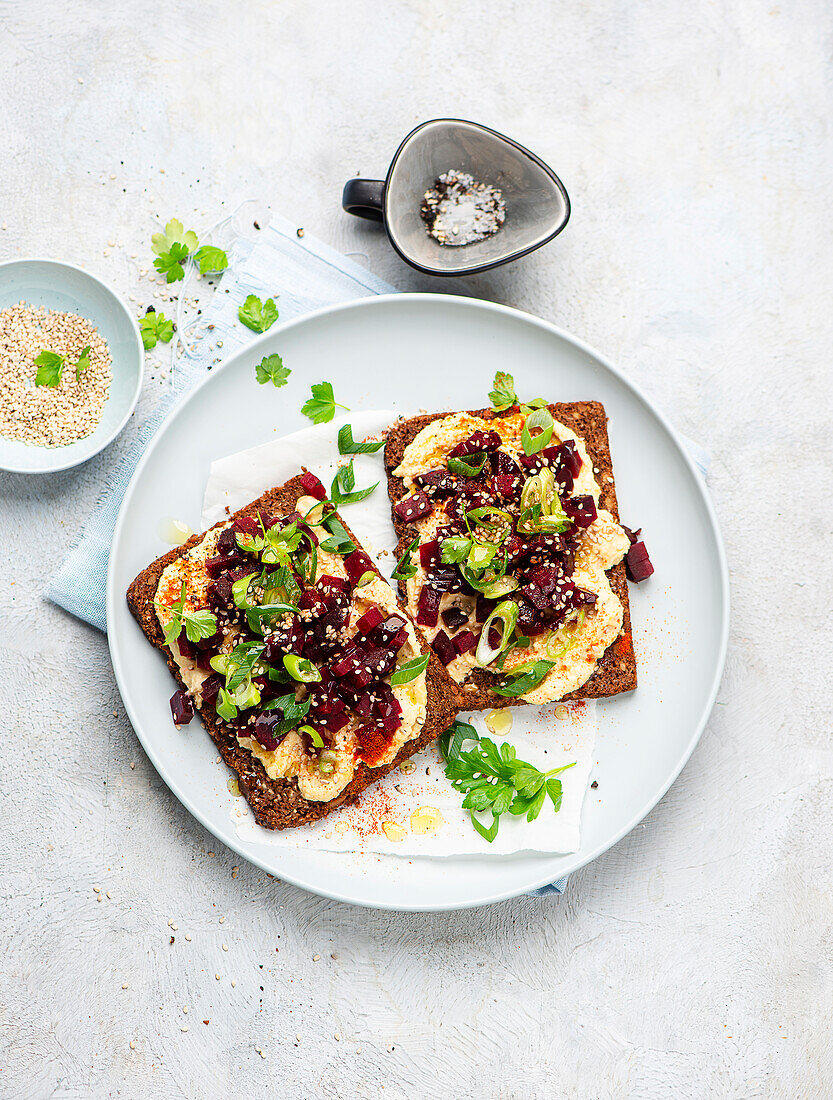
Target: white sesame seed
{"x": 132, "y": 1044}
{"x": 124, "y": 985}
{"x": 184, "y": 1027}
{"x": 225, "y": 947}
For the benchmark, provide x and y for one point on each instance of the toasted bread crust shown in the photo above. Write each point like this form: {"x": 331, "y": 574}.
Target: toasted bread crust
{"x": 616, "y": 671}
{"x": 277, "y": 803}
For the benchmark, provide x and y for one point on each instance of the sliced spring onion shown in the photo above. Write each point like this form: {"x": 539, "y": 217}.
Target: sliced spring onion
{"x": 246, "y": 696}
{"x": 540, "y": 505}
{"x": 480, "y": 516}
{"x": 501, "y": 587}
{"x": 365, "y": 578}
{"x": 405, "y": 568}
{"x": 470, "y": 466}
{"x": 506, "y": 613}
{"x": 256, "y": 615}
{"x": 315, "y": 516}
{"x": 313, "y": 735}
{"x": 240, "y": 591}
{"x": 327, "y": 761}
{"x": 524, "y": 678}
{"x": 220, "y": 663}
{"x": 565, "y": 638}
{"x": 537, "y": 431}
{"x": 299, "y": 668}
{"x": 409, "y": 670}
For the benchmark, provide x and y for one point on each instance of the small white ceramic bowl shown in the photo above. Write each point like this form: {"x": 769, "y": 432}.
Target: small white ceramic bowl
{"x": 69, "y": 288}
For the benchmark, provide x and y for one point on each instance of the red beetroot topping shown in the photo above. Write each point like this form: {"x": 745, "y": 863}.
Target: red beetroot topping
{"x": 464, "y": 641}
{"x": 476, "y": 442}
{"x": 313, "y": 485}
{"x": 182, "y": 708}
{"x": 414, "y": 507}
{"x": 429, "y": 553}
{"x": 637, "y": 563}
{"x": 429, "y": 606}
{"x": 454, "y": 617}
{"x": 371, "y": 618}
{"x": 357, "y": 564}
{"x": 444, "y": 647}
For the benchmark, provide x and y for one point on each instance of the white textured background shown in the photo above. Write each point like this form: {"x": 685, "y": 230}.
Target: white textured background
{"x": 694, "y": 959}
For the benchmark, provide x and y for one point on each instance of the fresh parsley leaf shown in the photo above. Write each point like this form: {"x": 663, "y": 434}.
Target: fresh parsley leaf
{"x": 50, "y": 368}
{"x": 321, "y": 407}
{"x": 454, "y": 550}
{"x": 174, "y": 627}
{"x": 83, "y": 362}
{"x": 271, "y": 369}
{"x": 347, "y": 446}
{"x": 493, "y": 779}
{"x": 409, "y": 670}
{"x": 199, "y": 624}
{"x": 343, "y": 484}
{"x": 405, "y": 569}
{"x": 256, "y": 315}
{"x": 175, "y": 233}
{"x": 503, "y": 396}
{"x": 211, "y": 259}
{"x": 171, "y": 264}
{"x": 155, "y": 327}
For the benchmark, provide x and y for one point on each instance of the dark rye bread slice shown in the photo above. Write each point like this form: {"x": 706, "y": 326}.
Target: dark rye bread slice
{"x": 616, "y": 671}
{"x": 277, "y": 803}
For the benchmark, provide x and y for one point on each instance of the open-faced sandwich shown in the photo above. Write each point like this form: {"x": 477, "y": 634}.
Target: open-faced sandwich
{"x": 285, "y": 637}
{"x": 511, "y": 550}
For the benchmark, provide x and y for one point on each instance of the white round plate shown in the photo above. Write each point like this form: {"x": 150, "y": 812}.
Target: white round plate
{"x": 410, "y": 352}
{"x": 66, "y": 287}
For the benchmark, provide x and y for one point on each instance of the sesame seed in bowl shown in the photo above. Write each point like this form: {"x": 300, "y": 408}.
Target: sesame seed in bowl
{"x": 71, "y": 365}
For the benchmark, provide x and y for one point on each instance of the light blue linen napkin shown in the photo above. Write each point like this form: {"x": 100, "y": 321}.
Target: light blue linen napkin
{"x": 302, "y": 274}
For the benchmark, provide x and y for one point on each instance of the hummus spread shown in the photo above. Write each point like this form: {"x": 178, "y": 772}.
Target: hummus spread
{"x": 290, "y": 759}
{"x": 602, "y": 545}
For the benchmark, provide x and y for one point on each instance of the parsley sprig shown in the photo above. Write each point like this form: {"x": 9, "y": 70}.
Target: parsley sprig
{"x": 176, "y": 244}
{"x": 155, "y": 327}
{"x": 321, "y": 407}
{"x": 503, "y": 395}
{"x": 271, "y": 369}
{"x": 257, "y": 315}
{"x": 492, "y": 778}
{"x": 51, "y": 367}
{"x": 198, "y": 624}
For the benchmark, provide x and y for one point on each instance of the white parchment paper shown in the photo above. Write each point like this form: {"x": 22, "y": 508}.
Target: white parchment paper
{"x": 398, "y": 814}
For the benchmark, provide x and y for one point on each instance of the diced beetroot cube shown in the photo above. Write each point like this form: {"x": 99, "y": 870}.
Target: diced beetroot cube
{"x": 310, "y": 600}
{"x": 360, "y": 678}
{"x": 386, "y": 631}
{"x": 246, "y": 525}
{"x": 503, "y": 463}
{"x": 438, "y": 484}
{"x": 334, "y": 722}
{"x": 211, "y": 643}
{"x": 570, "y": 458}
{"x": 445, "y": 578}
{"x": 637, "y": 563}
{"x": 399, "y": 639}
{"x": 223, "y": 563}
{"x": 483, "y": 608}
{"x": 210, "y": 689}
{"x": 581, "y": 510}
{"x": 263, "y": 730}
{"x": 313, "y": 485}
{"x": 372, "y": 618}
{"x": 465, "y": 501}
{"x": 186, "y": 648}
{"x": 414, "y": 507}
{"x": 182, "y": 708}
{"x": 428, "y": 607}
{"x": 429, "y": 553}
{"x": 349, "y": 662}
{"x": 454, "y": 618}
{"x": 529, "y": 621}
{"x": 380, "y": 661}
{"x": 282, "y": 639}
{"x": 203, "y": 659}
{"x": 477, "y": 441}
{"x": 226, "y": 542}
{"x": 464, "y": 641}
{"x": 218, "y": 593}
{"x": 444, "y": 647}
{"x": 506, "y": 486}
{"x": 580, "y": 597}
{"x": 357, "y": 564}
